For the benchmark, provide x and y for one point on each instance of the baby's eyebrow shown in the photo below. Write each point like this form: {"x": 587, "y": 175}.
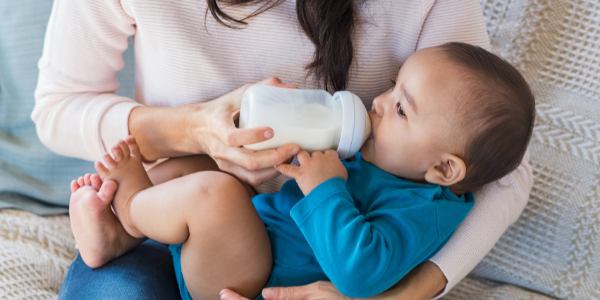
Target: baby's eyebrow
{"x": 397, "y": 76}
{"x": 410, "y": 100}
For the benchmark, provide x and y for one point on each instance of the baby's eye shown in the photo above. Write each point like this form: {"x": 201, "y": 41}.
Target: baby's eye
{"x": 400, "y": 109}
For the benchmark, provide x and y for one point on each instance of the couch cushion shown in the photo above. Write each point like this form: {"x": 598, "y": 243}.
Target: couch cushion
{"x": 31, "y": 176}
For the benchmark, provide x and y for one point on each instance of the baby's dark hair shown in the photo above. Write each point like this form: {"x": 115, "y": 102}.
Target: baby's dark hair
{"x": 497, "y": 114}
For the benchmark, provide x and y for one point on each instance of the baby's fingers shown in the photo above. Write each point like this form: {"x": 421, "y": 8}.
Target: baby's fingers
{"x": 303, "y": 157}
{"x": 288, "y": 170}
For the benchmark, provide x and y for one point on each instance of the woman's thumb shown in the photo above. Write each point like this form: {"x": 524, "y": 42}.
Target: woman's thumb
{"x": 287, "y": 293}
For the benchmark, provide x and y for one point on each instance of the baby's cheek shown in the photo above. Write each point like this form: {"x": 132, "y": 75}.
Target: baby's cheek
{"x": 366, "y": 152}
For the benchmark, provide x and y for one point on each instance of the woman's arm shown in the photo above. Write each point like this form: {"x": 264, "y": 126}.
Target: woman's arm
{"x": 208, "y": 128}
{"x": 78, "y": 114}
{"x": 497, "y": 206}
{"x": 420, "y": 283}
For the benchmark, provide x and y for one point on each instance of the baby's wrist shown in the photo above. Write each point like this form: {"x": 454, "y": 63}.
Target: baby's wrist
{"x": 320, "y": 184}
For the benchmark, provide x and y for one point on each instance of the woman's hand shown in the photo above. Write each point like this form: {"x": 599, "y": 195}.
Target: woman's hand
{"x": 423, "y": 282}
{"x": 219, "y": 138}
{"x": 319, "y": 290}
{"x": 209, "y": 128}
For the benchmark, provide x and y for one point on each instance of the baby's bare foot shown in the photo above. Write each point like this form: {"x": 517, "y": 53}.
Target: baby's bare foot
{"x": 99, "y": 235}
{"x": 127, "y": 171}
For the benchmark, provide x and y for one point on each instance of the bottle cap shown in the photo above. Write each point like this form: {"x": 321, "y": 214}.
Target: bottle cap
{"x": 356, "y": 125}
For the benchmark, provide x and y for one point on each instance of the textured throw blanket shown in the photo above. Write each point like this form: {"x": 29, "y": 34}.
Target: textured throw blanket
{"x": 552, "y": 251}
{"x": 35, "y": 254}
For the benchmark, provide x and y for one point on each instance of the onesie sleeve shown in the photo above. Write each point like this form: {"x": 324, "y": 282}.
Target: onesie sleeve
{"x": 365, "y": 254}
{"x": 77, "y": 112}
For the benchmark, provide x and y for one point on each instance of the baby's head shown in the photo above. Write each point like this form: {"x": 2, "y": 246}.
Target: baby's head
{"x": 457, "y": 116}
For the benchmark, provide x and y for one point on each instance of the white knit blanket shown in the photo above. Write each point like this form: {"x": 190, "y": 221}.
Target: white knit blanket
{"x": 552, "y": 251}
{"x": 35, "y": 254}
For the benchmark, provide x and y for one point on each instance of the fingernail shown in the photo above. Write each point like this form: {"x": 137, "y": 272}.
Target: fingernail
{"x": 268, "y": 134}
{"x": 295, "y": 151}
{"x": 221, "y": 292}
{"x": 268, "y": 293}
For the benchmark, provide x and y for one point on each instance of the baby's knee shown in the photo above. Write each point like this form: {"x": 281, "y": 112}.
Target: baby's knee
{"x": 226, "y": 185}
{"x": 220, "y": 194}
{"x": 214, "y": 186}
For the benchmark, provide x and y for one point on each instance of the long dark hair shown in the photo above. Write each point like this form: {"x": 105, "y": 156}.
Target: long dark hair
{"x": 328, "y": 24}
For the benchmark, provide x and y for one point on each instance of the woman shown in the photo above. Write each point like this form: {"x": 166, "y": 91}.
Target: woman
{"x": 186, "y": 57}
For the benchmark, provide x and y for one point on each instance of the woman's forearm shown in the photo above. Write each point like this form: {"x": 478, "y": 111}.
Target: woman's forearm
{"x": 425, "y": 281}
{"x": 164, "y": 131}
{"x": 208, "y": 128}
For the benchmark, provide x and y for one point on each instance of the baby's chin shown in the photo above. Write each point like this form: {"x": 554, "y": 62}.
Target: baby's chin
{"x": 366, "y": 153}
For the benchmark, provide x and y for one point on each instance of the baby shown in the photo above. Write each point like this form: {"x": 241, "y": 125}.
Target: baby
{"x": 458, "y": 117}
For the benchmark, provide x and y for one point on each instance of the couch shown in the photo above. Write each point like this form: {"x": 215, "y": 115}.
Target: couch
{"x": 551, "y": 252}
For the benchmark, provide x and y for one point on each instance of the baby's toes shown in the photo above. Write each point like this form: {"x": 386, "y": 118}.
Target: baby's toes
{"x": 81, "y": 181}
{"x": 96, "y": 181}
{"x": 133, "y": 146}
{"x": 86, "y": 179}
{"x": 117, "y": 153}
{"x": 123, "y": 146}
{"x": 101, "y": 169}
{"x": 109, "y": 162}
{"x": 107, "y": 191}
{"x": 74, "y": 186}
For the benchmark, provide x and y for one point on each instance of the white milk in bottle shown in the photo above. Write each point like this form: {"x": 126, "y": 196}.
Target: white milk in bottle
{"x": 312, "y": 119}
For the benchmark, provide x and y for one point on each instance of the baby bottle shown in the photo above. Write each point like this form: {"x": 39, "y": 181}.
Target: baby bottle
{"x": 312, "y": 119}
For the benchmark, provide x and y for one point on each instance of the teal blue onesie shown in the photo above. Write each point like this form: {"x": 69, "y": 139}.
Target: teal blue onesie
{"x": 363, "y": 234}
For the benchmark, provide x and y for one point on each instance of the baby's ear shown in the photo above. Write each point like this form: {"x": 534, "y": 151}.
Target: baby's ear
{"x": 450, "y": 171}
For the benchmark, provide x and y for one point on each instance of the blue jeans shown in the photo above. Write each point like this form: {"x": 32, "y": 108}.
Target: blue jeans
{"x": 146, "y": 272}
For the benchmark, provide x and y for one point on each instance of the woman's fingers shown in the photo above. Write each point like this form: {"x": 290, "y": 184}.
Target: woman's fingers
{"x": 218, "y": 137}
{"x": 272, "y": 81}
{"x": 235, "y": 137}
{"x": 253, "y": 178}
{"x": 313, "y": 291}
{"x": 256, "y": 160}
{"x": 227, "y": 294}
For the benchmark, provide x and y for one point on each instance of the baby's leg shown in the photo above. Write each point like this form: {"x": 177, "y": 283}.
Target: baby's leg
{"x": 182, "y": 166}
{"x": 98, "y": 233}
{"x": 225, "y": 242}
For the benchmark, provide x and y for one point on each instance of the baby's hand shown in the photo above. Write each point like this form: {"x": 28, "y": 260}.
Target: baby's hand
{"x": 314, "y": 170}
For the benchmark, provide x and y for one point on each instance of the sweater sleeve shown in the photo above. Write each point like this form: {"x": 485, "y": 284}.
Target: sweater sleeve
{"x": 498, "y": 204}
{"x": 77, "y": 112}
{"x": 365, "y": 254}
